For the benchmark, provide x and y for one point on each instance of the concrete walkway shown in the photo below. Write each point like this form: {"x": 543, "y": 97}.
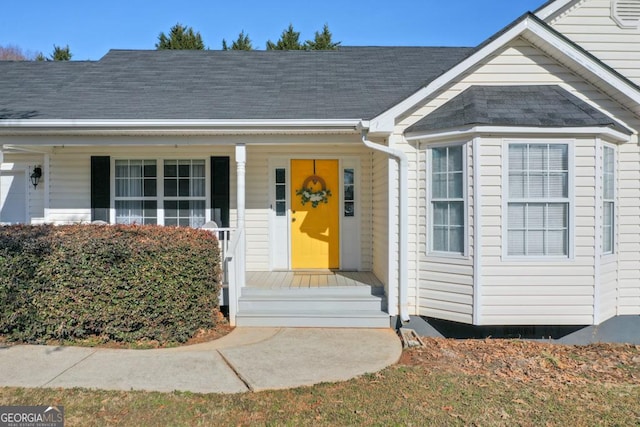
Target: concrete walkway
{"x": 247, "y": 359}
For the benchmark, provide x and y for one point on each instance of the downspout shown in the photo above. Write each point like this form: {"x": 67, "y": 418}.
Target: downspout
{"x": 403, "y": 219}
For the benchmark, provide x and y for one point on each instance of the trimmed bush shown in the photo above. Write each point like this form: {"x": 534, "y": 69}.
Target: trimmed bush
{"x": 120, "y": 283}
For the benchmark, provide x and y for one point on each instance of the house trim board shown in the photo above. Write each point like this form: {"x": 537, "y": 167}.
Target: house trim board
{"x": 551, "y": 10}
{"x": 477, "y": 231}
{"x": 597, "y": 267}
{"x": 605, "y": 133}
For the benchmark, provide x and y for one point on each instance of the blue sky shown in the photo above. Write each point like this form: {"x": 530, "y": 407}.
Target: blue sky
{"x": 92, "y": 27}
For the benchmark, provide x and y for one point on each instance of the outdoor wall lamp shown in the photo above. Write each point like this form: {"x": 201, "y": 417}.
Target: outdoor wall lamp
{"x": 36, "y": 175}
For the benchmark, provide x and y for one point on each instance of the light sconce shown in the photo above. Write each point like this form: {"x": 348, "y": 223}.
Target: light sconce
{"x": 36, "y": 175}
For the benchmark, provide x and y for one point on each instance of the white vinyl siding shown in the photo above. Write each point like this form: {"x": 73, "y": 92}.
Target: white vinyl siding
{"x": 592, "y": 25}
{"x": 447, "y": 204}
{"x": 626, "y": 286}
{"x": 538, "y": 200}
{"x": 380, "y": 215}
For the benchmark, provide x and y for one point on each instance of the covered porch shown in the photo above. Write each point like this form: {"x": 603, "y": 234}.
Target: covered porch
{"x": 267, "y": 285}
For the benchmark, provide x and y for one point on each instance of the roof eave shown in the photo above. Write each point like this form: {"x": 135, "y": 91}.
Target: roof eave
{"x": 177, "y": 127}
{"x": 552, "y": 9}
{"x": 605, "y": 132}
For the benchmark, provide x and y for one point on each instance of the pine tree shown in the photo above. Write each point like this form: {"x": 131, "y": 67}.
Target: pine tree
{"x": 322, "y": 41}
{"x": 180, "y": 37}
{"x": 61, "y": 53}
{"x": 242, "y": 43}
{"x": 289, "y": 40}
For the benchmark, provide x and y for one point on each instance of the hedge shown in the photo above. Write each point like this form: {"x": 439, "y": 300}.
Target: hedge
{"x": 119, "y": 283}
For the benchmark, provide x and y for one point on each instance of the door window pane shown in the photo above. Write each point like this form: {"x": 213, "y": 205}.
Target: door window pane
{"x": 349, "y": 192}
{"x": 281, "y": 192}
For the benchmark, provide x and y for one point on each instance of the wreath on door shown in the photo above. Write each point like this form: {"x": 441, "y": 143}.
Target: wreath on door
{"x": 316, "y": 197}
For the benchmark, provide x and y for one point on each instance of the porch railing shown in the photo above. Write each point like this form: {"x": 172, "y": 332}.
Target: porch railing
{"x": 224, "y": 238}
{"x": 234, "y": 267}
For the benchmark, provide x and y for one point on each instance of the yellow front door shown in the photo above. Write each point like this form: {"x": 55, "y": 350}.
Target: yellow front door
{"x": 315, "y": 218}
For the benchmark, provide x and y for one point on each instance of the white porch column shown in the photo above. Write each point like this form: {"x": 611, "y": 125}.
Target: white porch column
{"x": 241, "y": 160}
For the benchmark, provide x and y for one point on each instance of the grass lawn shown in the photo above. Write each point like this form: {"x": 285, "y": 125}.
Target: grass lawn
{"x": 467, "y": 383}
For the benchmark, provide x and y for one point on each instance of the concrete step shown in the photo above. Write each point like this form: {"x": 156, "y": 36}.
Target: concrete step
{"x": 305, "y": 302}
{"x": 314, "y": 319}
{"x": 344, "y": 306}
{"x": 320, "y": 291}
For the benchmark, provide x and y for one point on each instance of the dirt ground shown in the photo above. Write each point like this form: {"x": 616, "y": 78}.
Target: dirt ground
{"x": 529, "y": 361}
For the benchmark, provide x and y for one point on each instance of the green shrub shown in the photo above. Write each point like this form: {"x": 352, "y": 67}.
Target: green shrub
{"x": 120, "y": 283}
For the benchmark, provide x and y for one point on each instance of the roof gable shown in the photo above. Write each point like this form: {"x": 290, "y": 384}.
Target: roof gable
{"x": 535, "y": 31}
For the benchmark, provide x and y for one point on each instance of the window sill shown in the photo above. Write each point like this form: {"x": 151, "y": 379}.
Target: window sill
{"x": 448, "y": 255}
{"x": 537, "y": 259}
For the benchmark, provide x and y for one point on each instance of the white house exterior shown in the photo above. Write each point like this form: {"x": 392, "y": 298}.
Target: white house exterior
{"x": 503, "y": 191}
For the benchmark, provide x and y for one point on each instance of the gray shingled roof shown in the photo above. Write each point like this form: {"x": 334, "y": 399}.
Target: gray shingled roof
{"x": 351, "y": 83}
{"x": 537, "y": 106}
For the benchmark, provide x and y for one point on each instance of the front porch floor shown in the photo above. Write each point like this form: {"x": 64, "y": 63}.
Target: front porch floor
{"x": 310, "y": 279}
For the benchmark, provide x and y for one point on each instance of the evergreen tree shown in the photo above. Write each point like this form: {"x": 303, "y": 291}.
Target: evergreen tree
{"x": 242, "y": 43}
{"x": 60, "y": 53}
{"x": 289, "y": 40}
{"x": 180, "y": 37}
{"x": 322, "y": 41}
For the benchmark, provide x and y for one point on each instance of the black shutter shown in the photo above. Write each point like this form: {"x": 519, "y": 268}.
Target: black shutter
{"x": 220, "y": 190}
{"x": 100, "y": 188}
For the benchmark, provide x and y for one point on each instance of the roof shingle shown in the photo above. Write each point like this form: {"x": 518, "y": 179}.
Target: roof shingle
{"x": 528, "y": 105}
{"x": 350, "y": 83}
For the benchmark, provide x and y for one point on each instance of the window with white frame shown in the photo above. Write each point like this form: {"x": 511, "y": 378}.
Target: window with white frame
{"x": 184, "y": 193}
{"x": 349, "y": 192}
{"x": 138, "y": 197}
{"x": 136, "y": 192}
{"x": 608, "y": 199}
{"x": 538, "y": 199}
{"x": 447, "y": 199}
